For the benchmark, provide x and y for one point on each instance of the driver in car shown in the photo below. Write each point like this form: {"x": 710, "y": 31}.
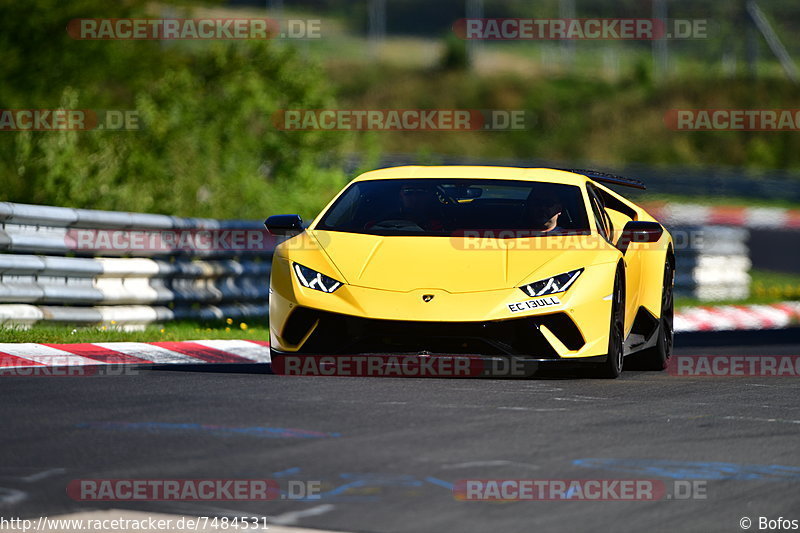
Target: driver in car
{"x": 420, "y": 204}
{"x": 542, "y": 212}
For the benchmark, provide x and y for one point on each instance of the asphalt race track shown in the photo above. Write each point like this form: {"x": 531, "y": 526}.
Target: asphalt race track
{"x": 387, "y": 451}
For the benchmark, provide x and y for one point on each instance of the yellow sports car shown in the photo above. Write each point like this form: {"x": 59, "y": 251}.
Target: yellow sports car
{"x": 534, "y": 265}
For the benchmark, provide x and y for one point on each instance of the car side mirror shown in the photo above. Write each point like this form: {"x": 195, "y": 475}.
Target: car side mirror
{"x": 284, "y": 225}
{"x": 638, "y": 231}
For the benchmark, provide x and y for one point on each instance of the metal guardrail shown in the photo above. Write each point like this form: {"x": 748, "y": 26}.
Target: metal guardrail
{"x": 49, "y": 273}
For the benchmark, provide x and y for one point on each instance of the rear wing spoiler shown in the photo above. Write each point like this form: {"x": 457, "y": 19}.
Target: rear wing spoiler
{"x": 604, "y": 177}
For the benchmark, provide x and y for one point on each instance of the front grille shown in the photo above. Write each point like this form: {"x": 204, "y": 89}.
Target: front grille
{"x": 343, "y": 334}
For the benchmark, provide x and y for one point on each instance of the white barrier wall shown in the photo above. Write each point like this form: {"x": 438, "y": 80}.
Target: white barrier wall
{"x": 713, "y": 265}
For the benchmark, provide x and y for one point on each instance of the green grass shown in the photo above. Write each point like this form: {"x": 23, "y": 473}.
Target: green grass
{"x": 257, "y": 330}
{"x": 767, "y": 287}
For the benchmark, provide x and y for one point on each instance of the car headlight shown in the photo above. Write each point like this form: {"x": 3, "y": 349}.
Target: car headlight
{"x": 311, "y": 279}
{"x": 559, "y": 283}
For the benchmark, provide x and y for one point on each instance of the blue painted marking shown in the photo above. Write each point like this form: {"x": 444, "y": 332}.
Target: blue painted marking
{"x": 361, "y": 480}
{"x": 287, "y": 472}
{"x": 368, "y": 480}
{"x": 440, "y": 482}
{"x": 225, "y": 431}
{"x": 693, "y": 470}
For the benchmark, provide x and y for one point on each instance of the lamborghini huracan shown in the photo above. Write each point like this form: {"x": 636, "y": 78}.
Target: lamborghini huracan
{"x": 545, "y": 266}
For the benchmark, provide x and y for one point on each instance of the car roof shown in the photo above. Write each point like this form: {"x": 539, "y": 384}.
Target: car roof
{"x": 472, "y": 172}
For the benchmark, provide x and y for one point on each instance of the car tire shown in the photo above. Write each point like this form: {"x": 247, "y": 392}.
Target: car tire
{"x": 612, "y": 367}
{"x": 657, "y": 357}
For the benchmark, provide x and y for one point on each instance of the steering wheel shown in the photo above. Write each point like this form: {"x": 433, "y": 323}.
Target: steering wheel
{"x": 396, "y": 224}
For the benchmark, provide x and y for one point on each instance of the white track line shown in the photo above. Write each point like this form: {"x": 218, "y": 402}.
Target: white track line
{"x": 292, "y": 517}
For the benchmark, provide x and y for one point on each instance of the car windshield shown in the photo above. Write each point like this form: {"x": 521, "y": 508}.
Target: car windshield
{"x": 439, "y": 207}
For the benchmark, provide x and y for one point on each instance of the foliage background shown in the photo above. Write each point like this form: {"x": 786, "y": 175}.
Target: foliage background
{"x": 207, "y": 145}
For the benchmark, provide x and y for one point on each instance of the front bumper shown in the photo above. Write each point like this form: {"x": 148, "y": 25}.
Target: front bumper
{"x": 358, "y": 320}
{"x": 321, "y": 332}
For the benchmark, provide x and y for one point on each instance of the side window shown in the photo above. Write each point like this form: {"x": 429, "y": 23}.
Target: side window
{"x": 344, "y": 209}
{"x": 600, "y": 215}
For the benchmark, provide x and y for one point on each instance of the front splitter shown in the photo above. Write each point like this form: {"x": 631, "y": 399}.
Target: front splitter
{"x": 419, "y": 365}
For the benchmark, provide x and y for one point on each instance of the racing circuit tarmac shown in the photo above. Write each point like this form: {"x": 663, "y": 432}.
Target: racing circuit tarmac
{"x": 387, "y": 451}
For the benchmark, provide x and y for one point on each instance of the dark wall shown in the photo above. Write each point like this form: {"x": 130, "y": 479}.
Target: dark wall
{"x": 777, "y": 250}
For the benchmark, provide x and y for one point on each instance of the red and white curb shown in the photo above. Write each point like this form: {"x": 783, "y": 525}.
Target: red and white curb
{"x": 29, "y": 354}
{"x": 749, "y": 217}
{"x": 737, "y": 317}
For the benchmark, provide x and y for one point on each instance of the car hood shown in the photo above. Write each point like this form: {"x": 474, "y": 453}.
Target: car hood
{"x": 400, "y": 263}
